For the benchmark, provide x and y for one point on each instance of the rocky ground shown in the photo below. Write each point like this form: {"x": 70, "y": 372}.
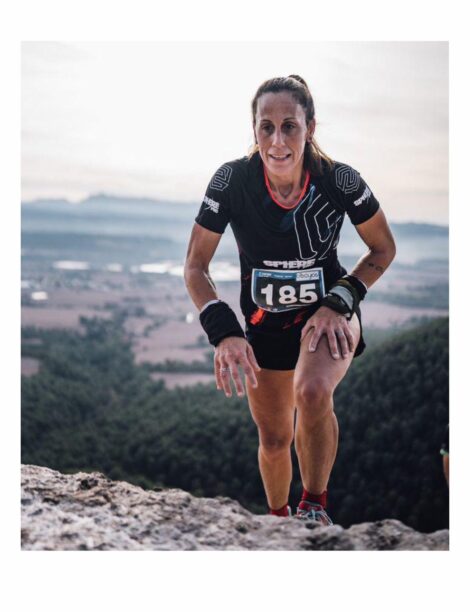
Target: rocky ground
{"x": 90, "y": 512}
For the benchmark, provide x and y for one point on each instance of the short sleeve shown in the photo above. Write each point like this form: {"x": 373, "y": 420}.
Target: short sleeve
{"x": 359, "y": 201}
{"x": 215, "y": 211}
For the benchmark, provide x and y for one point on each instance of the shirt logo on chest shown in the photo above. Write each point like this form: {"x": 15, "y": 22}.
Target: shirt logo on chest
{"x": 316, "y": 226}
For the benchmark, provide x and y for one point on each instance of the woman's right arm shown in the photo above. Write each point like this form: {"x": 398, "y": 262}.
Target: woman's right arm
{"x": 232, "y": 351}
{"x": 201, "y": 249}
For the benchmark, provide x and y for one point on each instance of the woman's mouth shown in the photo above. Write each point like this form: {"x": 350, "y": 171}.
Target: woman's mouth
{"x": 279, "y": 158}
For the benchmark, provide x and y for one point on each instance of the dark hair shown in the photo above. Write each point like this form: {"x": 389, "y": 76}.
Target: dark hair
{"x": 314, "y": 157}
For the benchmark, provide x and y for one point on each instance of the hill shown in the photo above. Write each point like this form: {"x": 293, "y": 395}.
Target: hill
{"x": 393, "y": 411}
{"x": 91, "y": 407}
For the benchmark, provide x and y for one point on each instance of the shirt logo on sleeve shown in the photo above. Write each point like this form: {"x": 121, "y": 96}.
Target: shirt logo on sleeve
{"x": 211, "y": 204}
{"x": 347, "y": 179}
{"x": 221, "y": 178}
{"x": 365, "y": 196}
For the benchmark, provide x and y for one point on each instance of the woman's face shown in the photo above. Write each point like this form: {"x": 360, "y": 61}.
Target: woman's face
{"x": 281, "y": 132}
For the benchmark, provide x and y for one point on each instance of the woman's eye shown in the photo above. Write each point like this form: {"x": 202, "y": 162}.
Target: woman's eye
{"x": 290, "y": 126}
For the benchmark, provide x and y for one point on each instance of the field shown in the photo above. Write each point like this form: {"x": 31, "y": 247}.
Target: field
{"x": 114, "y": 257}
{"x": 160, "y": 319}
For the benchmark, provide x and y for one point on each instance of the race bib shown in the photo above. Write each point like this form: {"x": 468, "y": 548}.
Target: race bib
{"x": 280, "y": 290}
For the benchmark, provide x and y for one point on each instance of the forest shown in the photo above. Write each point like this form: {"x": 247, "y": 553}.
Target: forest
{"x": 91, "y": 408}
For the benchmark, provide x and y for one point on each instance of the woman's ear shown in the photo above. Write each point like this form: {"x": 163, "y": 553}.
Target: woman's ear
{"x": 311, "y": 130}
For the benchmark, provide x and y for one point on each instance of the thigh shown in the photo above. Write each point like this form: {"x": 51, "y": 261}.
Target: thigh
{"x": 272, "y": 401}
{"x": 320, "y": 365}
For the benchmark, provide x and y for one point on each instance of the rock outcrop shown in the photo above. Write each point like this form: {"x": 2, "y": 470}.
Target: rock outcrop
{"x": 90, "y": 512}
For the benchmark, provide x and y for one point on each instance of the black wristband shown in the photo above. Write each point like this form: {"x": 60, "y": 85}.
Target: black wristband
{"x": 357, "y": 284}
{"x": 219, "y": 321}
{"x": 344, "y": 296}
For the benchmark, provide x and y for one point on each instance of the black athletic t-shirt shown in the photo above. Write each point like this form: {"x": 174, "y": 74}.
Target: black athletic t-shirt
{"x": 288, "y": 258}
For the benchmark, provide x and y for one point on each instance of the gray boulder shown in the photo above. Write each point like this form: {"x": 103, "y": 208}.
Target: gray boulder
{"x": 87, "y": 511}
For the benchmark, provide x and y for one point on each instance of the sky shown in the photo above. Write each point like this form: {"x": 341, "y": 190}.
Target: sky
{"x": 157, "y": 119}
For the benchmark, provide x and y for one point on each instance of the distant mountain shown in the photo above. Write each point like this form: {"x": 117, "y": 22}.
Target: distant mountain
{"x": 93, "y": 198}
{"x": 419, "y": 229}
{"x": 108, "y": 215}
{"x": 103, "y": 204}
{"x": 48, "y": 203}
{"x": 139, "y": 205}
{"x": 107, "y": 197}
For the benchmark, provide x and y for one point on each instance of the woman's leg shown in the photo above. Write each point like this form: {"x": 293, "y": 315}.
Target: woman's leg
{"x": 272, "y": 409}
{"x": 316, "y": 432}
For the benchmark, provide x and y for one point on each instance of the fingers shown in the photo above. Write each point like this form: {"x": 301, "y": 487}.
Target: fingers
{"x": 343, "y": 342}
{"x": 250, "y": 367}
{"x": 226, "y": 370}
{"x": 229, "y": 373}
{"x": 342, "y": 335}
{"x": 224, "y": 374}
{"x": 249, "y": 373}
{"x": 315, "y": 337}
{"x": 237, "y": 381}
{"x": 330, "y": 333}
{"x": 305, "y": 329}
{"x": 228, "y": 358}
{"x": 248, "y": 364}
{"x": 350, "y": 338}
{"x": 218, "y": 379}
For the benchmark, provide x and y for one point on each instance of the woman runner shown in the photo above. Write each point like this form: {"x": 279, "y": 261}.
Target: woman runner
{"x": 286, "y": 202}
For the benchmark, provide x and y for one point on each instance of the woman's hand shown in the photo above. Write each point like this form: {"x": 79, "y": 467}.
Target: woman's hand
{"x": 336, "y": 328}
{"x": 230, "y": 353}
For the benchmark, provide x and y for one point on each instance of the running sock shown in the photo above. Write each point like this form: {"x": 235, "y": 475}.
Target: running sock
{"x": 313, "y": 499}
{"x": 283, "y": 511}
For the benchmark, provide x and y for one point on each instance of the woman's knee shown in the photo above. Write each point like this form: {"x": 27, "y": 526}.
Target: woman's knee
{"x": 275, "y": 443}
{"x": 314, "y": 397}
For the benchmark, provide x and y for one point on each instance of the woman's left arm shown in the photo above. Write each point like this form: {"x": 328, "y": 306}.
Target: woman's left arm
{"x": 377, "y": 236}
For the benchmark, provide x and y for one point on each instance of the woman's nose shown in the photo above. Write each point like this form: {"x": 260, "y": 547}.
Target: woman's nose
{"x": 278, "y": 138}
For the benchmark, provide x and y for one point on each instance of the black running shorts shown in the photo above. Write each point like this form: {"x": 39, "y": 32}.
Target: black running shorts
{"x": 280, "y": 350}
